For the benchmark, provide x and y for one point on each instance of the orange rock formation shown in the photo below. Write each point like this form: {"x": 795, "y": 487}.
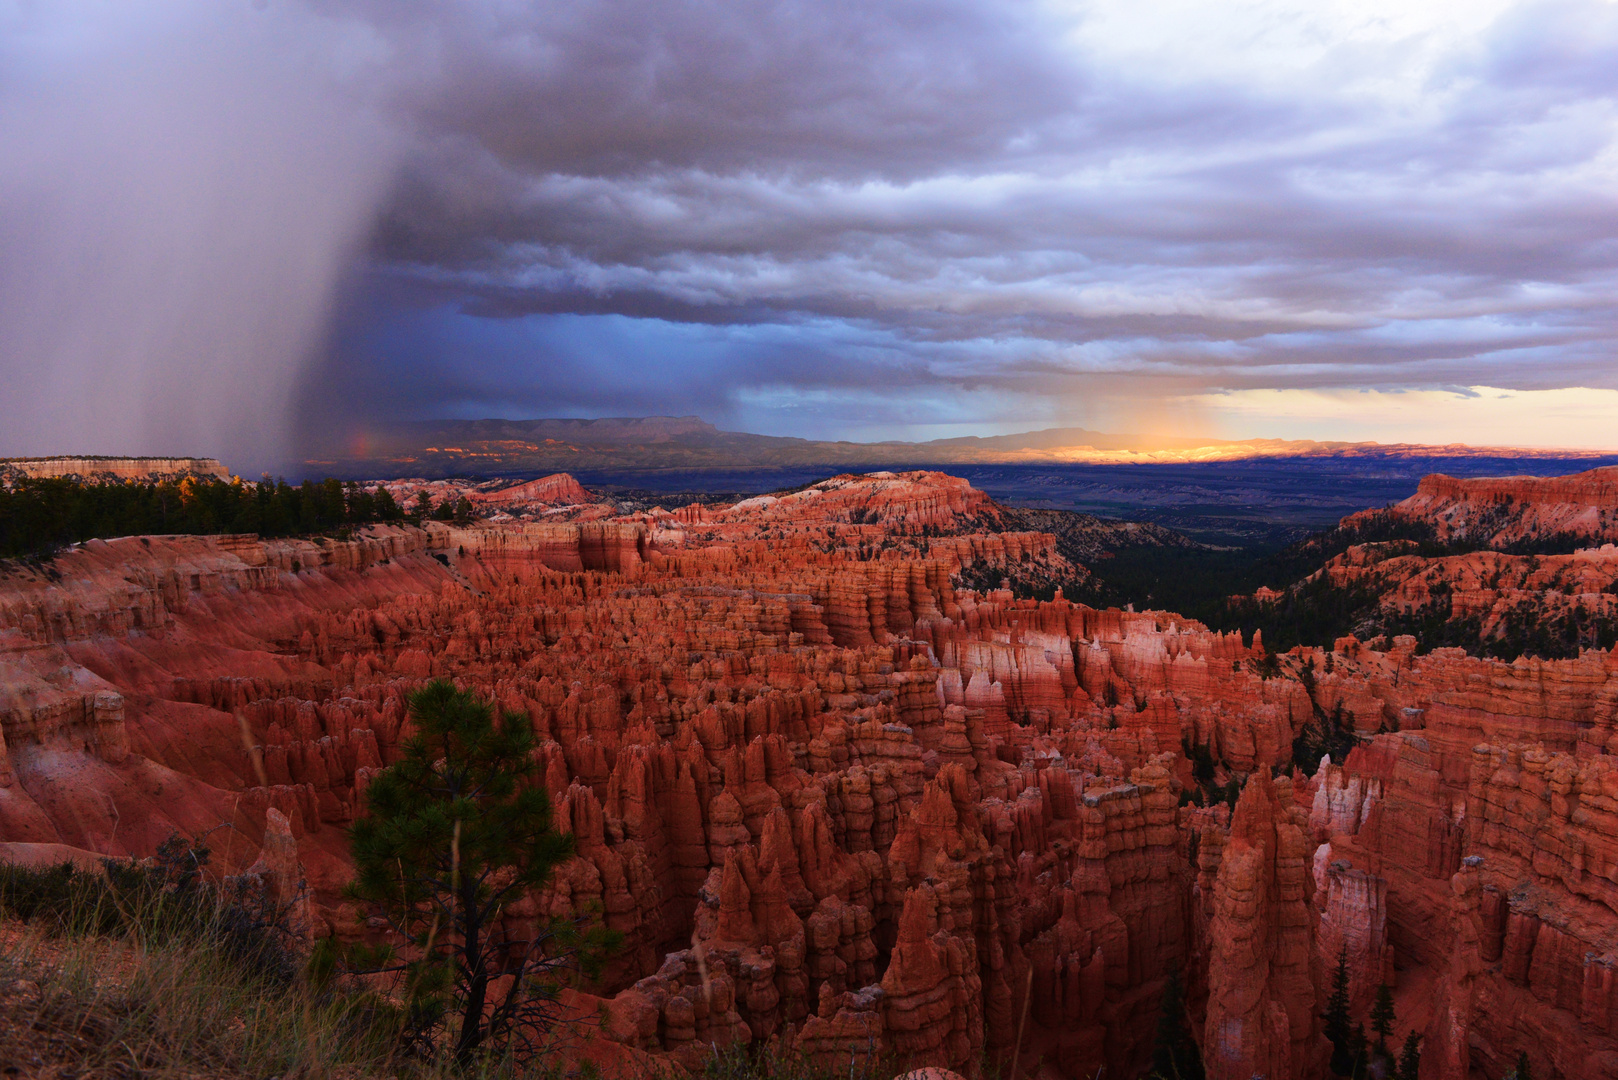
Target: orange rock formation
{"x": 832, "y": 797}
{"x": 1499, "y": 510}
{"x": 111, "y": 468}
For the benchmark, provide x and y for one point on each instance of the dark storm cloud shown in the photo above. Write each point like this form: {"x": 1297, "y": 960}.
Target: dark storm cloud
{"x": 841, "y": 88}
{"x": 965, "y": 191}
{"x": 183, "y": 186}
{"x": 787, "y": 213}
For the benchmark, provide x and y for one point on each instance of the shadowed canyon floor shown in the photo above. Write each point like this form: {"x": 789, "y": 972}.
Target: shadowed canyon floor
{"x": 830, "y": 794}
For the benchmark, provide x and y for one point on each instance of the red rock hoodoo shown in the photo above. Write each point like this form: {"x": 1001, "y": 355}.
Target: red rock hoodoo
{"x": 830, "y": 796}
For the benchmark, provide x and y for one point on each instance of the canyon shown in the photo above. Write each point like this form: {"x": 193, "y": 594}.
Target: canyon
{"x": 831, "y": 793}
{"x": 1503, "y": 566}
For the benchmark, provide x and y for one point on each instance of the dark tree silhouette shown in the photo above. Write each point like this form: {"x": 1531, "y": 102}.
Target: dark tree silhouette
{"x": 1410, "y": 1058}
{"x": 1175, "y": 1055}
{"x": 387, "y": 508}
{"x": 1337, "y": 1019}
{"x": 1359, "y": 1052}
{"x": 1382, "y": 1017}
{"x": 38, "y": 516}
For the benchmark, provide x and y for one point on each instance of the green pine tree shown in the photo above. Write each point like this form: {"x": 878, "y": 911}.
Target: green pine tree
{"x": 387, "y": 509}
{"x": 1409, "y": 1058}
{"x": 1175, "y": 1054}
{"x": 453, "y": 832}
{"x": 1337, "y": 1021}
{"x": 1382, "y": 1017}
{"x": 1524, "y": 1070}
{"x": 1202, "y": 763}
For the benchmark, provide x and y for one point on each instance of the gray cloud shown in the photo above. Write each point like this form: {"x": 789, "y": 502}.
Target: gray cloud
{"x": 982, "y": 210}
{"x": 181, "y": 189}
{"x": 1332, "y": 240}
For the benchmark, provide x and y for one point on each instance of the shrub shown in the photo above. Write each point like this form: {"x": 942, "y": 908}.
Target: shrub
{"x": 160, "y": 902}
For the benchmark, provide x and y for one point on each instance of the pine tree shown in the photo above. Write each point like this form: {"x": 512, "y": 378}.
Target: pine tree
{"x": 1202, "y": 763}
{"x": 1175, "y": 1055}
{"x": 1382, "y": 1017}
{"x": 1524, "y": 1070}
{"x": 453, "y": 832}
{"x": 1336, "y": 1017}
{"x": 387, "y": 509}
{"x": 1359, "y": 1052}
{"x": 1409, "y": 1058}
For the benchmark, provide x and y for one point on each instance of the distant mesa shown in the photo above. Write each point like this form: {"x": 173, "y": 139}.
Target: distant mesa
{"x": 440, "y": 448}
{"x": 110, "y": 468}
{"x": 1495, "y": 511}
{"x": 558, "y": 492}
{"x": 558, "y": 489}
{"x": 1502, "y": 566}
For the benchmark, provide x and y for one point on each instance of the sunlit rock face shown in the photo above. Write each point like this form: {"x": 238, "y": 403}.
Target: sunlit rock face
{"x": 98, "y": 469}
{"x": 829, "y": 795}
{"x": 1500, "y": 510}
{"x": 1532, "y": 569}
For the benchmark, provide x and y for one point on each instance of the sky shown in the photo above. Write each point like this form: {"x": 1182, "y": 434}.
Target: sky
{"x": 242, "y": 227}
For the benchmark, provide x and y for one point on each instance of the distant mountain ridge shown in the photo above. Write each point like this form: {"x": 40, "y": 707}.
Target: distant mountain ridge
{"x": 603, "y": 432}
{"x": 437, "y": 448}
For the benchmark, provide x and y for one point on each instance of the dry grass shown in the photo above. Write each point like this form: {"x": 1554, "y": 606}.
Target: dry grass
{"x": 147, "y": 970}
{"x": 85, "y": 1008}
{"x": 125, "y": 977}
{"x": 99, "y": 1008}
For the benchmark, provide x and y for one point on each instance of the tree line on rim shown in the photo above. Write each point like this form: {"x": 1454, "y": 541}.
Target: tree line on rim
{"x": 39, "y": 516}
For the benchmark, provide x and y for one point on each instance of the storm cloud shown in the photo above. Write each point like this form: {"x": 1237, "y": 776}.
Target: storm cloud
{"x": 827, "y": 219}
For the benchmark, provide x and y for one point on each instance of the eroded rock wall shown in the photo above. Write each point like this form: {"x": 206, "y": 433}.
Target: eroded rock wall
{"x": 831, "y": 796}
